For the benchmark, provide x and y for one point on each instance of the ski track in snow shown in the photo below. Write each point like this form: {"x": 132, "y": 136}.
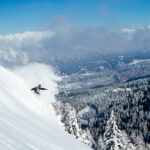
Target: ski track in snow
{"x": 27, "y": 120}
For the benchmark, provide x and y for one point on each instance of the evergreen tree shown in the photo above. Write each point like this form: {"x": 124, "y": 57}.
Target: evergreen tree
{"x": 114, "y": 138}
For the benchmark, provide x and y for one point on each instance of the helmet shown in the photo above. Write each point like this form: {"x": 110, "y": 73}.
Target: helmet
{"x": 39, "y": 86}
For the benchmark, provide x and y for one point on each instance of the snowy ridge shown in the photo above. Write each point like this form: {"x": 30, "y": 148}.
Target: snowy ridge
{"x": 136, "y": 61}
{"x": 28, "y": 121}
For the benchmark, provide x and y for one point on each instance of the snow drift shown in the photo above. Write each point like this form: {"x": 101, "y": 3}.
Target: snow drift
{"x": 28, "y": 121}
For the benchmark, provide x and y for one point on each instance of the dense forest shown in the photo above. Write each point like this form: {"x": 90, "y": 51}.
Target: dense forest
{"x": 98, "y": 116}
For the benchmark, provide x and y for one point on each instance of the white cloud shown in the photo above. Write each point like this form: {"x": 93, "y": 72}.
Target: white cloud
{"x": 20, "y": 48}
{"x": 70, "y": 40}
{"x": 13, "y": 53}
{"x": 12, "y": 56}
{"x": 36, "y": 36}
{"x": 129, "y": 32}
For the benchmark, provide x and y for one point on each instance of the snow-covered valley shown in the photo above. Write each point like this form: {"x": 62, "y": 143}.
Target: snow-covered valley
{"x": 27, "y": 120}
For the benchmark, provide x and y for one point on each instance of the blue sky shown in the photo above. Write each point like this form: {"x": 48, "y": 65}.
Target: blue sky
{"x": 34, "y": 15}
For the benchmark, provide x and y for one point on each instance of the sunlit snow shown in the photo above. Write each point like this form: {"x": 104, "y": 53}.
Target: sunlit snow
{"x": 27, "y": 120}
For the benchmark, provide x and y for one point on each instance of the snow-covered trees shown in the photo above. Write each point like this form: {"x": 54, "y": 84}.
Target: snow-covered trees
{"x": 69, "y": 118}
{"x": 114, "y": 138}
{"x": 130, "y": 103}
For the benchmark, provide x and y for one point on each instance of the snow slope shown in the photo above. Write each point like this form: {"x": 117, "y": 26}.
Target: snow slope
{"x": 136, "y": 61}
{"x": 28, "y": 121}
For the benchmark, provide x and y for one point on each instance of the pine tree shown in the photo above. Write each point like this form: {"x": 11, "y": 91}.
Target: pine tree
{"x": 114, "y": 138}
{"x": 73, "y": 126}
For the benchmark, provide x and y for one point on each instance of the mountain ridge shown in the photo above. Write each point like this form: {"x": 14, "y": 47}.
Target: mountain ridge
{"x": 28, "y": 121}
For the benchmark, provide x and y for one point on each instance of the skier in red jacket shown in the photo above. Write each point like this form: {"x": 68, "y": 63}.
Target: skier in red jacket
{"x": 38, "y": 88}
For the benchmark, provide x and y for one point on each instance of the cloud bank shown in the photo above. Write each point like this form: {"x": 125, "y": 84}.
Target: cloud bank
{"x": 63, "y": 39}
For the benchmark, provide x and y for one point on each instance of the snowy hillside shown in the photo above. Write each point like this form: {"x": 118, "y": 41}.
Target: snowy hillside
{"x": 28, "y": 121}
{"x": 113, "y": 117}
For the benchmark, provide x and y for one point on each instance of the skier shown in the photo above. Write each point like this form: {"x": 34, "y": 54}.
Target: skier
{"x": 38, "y": 88}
